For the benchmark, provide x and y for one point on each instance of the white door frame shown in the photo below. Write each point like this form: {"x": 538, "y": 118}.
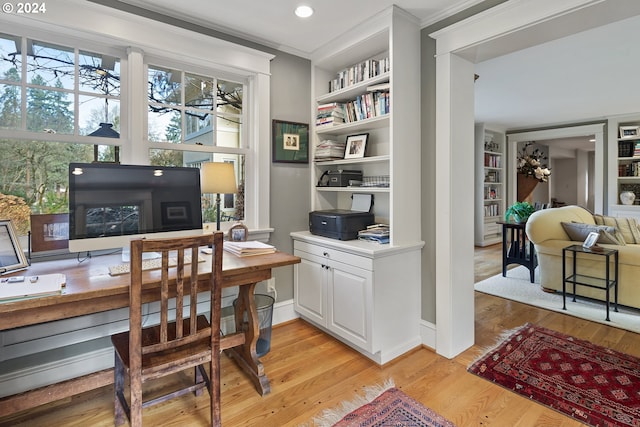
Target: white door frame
{"x": 508, "y": 27}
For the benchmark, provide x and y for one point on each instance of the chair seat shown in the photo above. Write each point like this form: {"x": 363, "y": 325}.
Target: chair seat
{"x": 165, "y": 362}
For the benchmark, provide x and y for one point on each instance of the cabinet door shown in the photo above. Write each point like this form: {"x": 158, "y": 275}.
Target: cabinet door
{"x": 309, "y": 287}
{"x": 350, "y": 303}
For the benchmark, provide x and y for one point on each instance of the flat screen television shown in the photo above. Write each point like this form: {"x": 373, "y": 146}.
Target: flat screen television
{"x": 111, "y": 203}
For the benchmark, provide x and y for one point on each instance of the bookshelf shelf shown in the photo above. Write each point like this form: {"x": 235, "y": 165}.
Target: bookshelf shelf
{"x": 350, "y": 92}
{"x": 361, "y": 125}
{"x": 490, "y": 188}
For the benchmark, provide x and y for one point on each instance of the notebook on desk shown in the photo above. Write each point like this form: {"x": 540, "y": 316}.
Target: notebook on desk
{"x": 31, "y": 286}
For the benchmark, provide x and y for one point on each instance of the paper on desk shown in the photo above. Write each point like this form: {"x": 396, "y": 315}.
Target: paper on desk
{"x": 47, "y": 284}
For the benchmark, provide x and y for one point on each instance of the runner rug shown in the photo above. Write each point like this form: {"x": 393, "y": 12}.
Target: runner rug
{"x": 593, "y": 384}
{"x": 391, "y": 407}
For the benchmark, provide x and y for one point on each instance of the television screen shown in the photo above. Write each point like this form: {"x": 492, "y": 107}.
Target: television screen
{"x": 110, "y": 203}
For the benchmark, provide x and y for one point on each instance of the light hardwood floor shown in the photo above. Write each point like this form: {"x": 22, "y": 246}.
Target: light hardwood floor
{"x": 310, "y": 371}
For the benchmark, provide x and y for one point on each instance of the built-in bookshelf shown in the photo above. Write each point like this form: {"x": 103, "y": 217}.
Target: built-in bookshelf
{"x": 626, "y": 170}
{"x": 490, "y": 185}
{"x": 341, "y": 286}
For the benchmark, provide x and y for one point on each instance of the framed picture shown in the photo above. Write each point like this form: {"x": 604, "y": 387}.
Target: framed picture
{"x": 356, "y": 146}
{"x": 290, "y": 142}
{"x": 238, "y": 233}
{"x": 629, "y": 132}
{"x": 11, "y": 256}
{"x": 591, "y": 240}
{"x": 49, "y": 232}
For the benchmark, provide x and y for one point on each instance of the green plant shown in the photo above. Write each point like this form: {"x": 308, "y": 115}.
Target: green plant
{"x": 520, "y": 211}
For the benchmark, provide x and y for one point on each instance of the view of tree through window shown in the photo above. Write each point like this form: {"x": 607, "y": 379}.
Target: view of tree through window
{"x": 64, "y": 95}
{"x": 55, "y": 99}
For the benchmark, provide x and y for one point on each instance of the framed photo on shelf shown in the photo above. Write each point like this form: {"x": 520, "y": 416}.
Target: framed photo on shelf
{"x": 290, "y": 142}
{"x": 11, "y": 256}
{"x": 238, "y": 233}
{"x": 356, "y": 146}
{"x": 629, "y": 132}
{"x": 49, "y": 232}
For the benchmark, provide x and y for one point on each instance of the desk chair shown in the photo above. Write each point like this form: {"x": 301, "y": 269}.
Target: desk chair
{"x": 190, "y": 341}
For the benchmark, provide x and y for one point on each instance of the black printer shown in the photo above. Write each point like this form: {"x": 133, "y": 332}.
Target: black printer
{"x": 341, "y": 224}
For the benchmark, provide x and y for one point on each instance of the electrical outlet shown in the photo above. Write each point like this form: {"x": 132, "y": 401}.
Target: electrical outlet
{"x": 271, "y": 285}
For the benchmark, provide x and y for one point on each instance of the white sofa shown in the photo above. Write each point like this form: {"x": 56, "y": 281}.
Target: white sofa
{"x": 544, "y": 228}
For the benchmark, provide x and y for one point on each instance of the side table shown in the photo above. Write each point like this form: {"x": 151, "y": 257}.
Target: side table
{"x": 517, "y": 248}
{"x": 605, "y": 283}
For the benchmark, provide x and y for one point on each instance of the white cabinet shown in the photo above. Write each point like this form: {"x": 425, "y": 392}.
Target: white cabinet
{"x": 367, "y": 300}
{"x": 624, "y": 164}
{"x": 490, "y": 185}
{"x": 335, "y": 295}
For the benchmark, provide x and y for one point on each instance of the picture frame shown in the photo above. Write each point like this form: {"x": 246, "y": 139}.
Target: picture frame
{"x": 49, "y": 232}
{"x": 238, "y": 233}
{"x": 356, "y": 146}
{"x": 591, "y": 240}
{"x": 629, "y": 132}
{"x": 12, "y": 257}
{"x": 290, "y": 142}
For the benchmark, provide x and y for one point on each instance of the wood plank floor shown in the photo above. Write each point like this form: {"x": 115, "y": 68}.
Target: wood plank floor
{"x": 310, "y": 371}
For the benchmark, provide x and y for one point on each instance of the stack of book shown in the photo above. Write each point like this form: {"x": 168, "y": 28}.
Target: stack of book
{"x": 368, "y": 105}
{"x": 329, "y": 149}
{"x": 248, "y": 248}
{"x": 378, "y": 233}
{"x": 330, "y": 114}
{"x": 360, "y": 72}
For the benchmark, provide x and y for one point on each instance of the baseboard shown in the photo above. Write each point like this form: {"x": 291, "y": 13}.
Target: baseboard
{"x": 428, "y": 334}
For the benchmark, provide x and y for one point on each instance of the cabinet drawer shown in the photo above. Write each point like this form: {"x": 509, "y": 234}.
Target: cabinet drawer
{"x": 334, "y": 255}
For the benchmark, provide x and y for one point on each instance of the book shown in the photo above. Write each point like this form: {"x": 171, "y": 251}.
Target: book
{"x": 31, "y": 286}
{"x": 249, "y": 248}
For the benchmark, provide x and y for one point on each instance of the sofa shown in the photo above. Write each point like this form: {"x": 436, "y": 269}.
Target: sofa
{"x": 553, "y": 229}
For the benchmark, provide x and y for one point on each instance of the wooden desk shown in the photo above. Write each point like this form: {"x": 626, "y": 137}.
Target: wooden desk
{"x": 90, "y": 289}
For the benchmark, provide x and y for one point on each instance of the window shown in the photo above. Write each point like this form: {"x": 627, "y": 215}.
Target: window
{"x": 52, "y": 98}
{"x": 212, "y": 104}
{"x": 188, "y": 110}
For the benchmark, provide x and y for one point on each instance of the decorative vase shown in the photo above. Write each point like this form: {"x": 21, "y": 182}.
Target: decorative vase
{"x": 627, "y": 197}
{"x": 526, "y": 185}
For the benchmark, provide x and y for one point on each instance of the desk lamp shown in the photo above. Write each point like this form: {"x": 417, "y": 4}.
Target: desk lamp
{"x": 218, "y": 178}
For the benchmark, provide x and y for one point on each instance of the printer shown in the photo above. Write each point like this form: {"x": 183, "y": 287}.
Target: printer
{"x": 343, "y": 224}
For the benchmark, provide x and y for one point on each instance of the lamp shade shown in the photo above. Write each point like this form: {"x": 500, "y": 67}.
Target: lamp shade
{"x": 218, "y": 178}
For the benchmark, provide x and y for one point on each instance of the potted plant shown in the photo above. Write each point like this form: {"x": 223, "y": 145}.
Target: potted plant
{"x": 520, "y": 211}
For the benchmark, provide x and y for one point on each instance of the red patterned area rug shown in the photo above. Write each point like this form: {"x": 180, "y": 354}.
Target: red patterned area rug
{"x": 593, "y": 384}
{"x": 390, "y": 408}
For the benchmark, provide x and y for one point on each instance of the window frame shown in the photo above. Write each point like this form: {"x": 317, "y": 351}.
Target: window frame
{"x": 72, "y": 23}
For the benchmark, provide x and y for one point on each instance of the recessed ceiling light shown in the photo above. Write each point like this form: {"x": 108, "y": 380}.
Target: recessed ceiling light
{"x": 304, "y": 11}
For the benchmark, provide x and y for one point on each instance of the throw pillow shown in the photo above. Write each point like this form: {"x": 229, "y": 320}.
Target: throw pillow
{"x": 628, "y": 227}
{"x": 578, "y": 232}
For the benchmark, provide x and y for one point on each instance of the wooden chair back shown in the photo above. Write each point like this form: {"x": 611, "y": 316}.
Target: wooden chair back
{"x": 182, "y": 339}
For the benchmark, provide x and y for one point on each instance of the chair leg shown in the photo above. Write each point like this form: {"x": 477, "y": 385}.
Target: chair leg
{"x": 198, "y": 379}
{"x": 136, "y": 402}
{"x": 118, "y": 391}
{"x": 214, "y": 392}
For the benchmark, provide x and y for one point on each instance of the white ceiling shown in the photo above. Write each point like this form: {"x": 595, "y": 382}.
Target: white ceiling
{"x": 585, "y": 76}
{"x": 581, "y": 77}
{"x": 273, "y": 23}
